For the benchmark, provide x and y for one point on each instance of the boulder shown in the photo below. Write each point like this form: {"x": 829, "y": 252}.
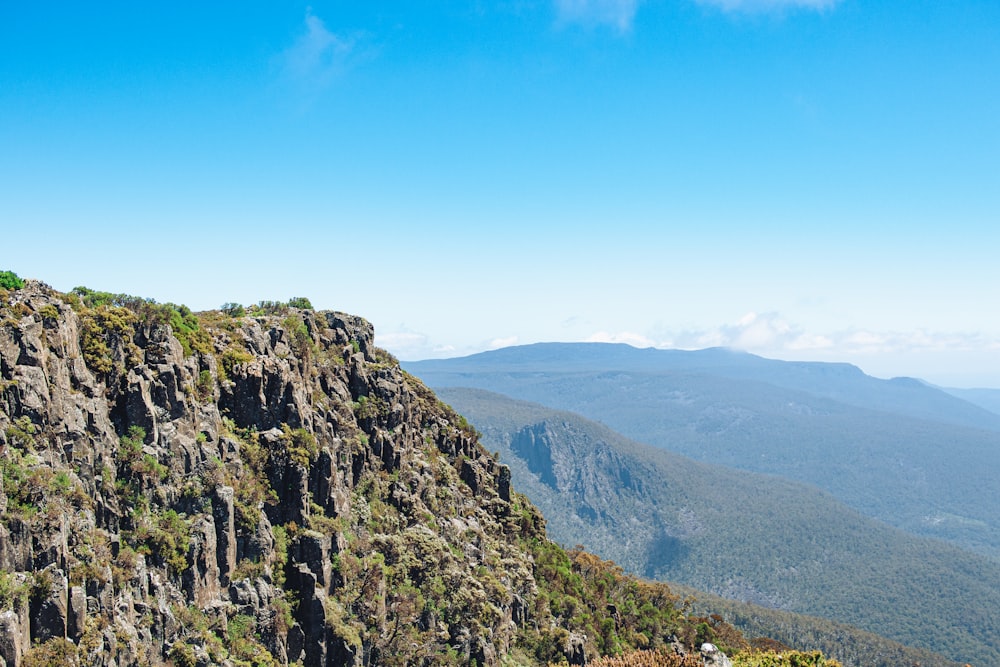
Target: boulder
{"x": 713, "y": 657}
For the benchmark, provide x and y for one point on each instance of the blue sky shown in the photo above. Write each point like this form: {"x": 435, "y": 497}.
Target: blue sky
{"x": 808, "y": 179}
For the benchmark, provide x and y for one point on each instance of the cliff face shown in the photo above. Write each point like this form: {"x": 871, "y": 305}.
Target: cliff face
{"x": 255, "y": 490}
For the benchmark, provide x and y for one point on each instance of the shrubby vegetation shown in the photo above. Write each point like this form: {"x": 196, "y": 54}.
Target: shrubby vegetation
{"x": 233, "y": 309}
{"x": 666, "y": 658}
{"x": 109, "y": 317}
{"x": 10, "y": 281}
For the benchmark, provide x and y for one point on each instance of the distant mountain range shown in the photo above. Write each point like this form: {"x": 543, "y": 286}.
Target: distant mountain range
{"x": 920, "y": 458}
{"x": 988, "y": 399}
{"x": 740, "y": 535}
{"x": 845, "y": 383}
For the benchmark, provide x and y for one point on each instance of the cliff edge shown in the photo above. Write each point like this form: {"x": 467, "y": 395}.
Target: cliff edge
{"x": 266, "y": 487}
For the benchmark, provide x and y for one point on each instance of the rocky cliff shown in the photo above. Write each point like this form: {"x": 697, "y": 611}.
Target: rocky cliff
{"x": 266, "y": 487}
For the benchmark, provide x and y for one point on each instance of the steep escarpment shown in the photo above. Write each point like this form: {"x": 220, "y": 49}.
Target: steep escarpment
{"x": 281, "y": 482}
{"x": 267, "y": 487}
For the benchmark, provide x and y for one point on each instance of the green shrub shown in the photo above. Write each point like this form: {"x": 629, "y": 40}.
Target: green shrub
{"x": 20, "y": 477}
{"x": 230, "y": 358}
{"x": 13, "y": 593}
{"x": 280, "y": 555}
{"x": 319, "y": 521}
{"x": 370, "y": 407}
{"x": 301, "y": 444}
{"x": 10, "y": 280}
{"x": 301, "y": 342}
{"x": 182, "y": 321}
{"x": 130, "y": 446}
{"x": 103, "y": 327}
{"x": 150, "y": 468}
{"x": 233, "y": 309}
{"x": 168, "y": 538}
{"x": 269, "y": 308}
{"x": 21, "y": 434}
{"x": 204, "y": 386}
{"x": 788, "y": 659}
{"x": 187, "y": 330}
{"x": 248, "y": 569}
{"x": 183, "y": 655}
{"x": 55, "y": 652}
{"x": 300, "y": 302}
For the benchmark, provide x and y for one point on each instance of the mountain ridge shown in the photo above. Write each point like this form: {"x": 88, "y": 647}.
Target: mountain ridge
{"x": 930, "y": 477}
{"x": 906, "y": 395}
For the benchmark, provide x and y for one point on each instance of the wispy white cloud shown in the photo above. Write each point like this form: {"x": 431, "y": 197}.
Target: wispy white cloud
{"x": 943, "y": 357}
{"x": 617, "y": 13}
{"x": 633, "y": 339}
{"x": 404, "y": 344}
{"x": 497, "y": 343}
{"x": 772, "y": 335}
{"x": 317, "y": 56}
{"x": 749, "y": 6}
{"x": 410, "y": 345}
{"x": 811, "y": 342}
{"x": 869, "y": 342}
{"x": 401, "y": 340}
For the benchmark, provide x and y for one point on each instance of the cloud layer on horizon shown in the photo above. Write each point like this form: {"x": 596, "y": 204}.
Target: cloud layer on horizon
{"x": 767, "y": 334}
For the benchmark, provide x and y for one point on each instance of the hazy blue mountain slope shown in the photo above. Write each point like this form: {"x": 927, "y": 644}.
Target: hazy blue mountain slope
{"x": 928, "y": 477}
{"x": 842, "y": 382}
{"x": 740, "y": 535}
{"x": 988, "y": 399}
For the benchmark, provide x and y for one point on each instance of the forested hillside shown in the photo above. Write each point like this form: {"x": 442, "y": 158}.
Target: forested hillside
{"x": 930, "y": 476}
{"x": 746, "y": 536}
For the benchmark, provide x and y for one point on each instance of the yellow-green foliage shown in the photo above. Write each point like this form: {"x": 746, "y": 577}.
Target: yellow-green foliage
{"x": 578, "y": 588}
{"x": 301, "y": 444}
{"x": 301, "y": 341}
{"x": 21, "y": 434}
{"x": 230, "y": 358}
{"x": 13, "y": 593}
{"x": 204, "y": 385}
{"x": 196, "y": 629}
{"x": 101, "y": 329}
{"x": 32, "y": 489}
{"x": 662, "y": 657}
{"x": 280, "y": 555}
{"x": 665, "y": 657}
{"x": 56, "y": 652}
{"x": 187, "y": 329}
{"x": 166, "y": 536}
{"x": 788, "y": 659}
{"x": 183, "y": 655}
{"x": 243, "y": 643}
{"x": 252, "y": 487}
{"x": 184, "y": 324}
{"x": 367, "y": 407}
{"x": 233, "y": 309}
